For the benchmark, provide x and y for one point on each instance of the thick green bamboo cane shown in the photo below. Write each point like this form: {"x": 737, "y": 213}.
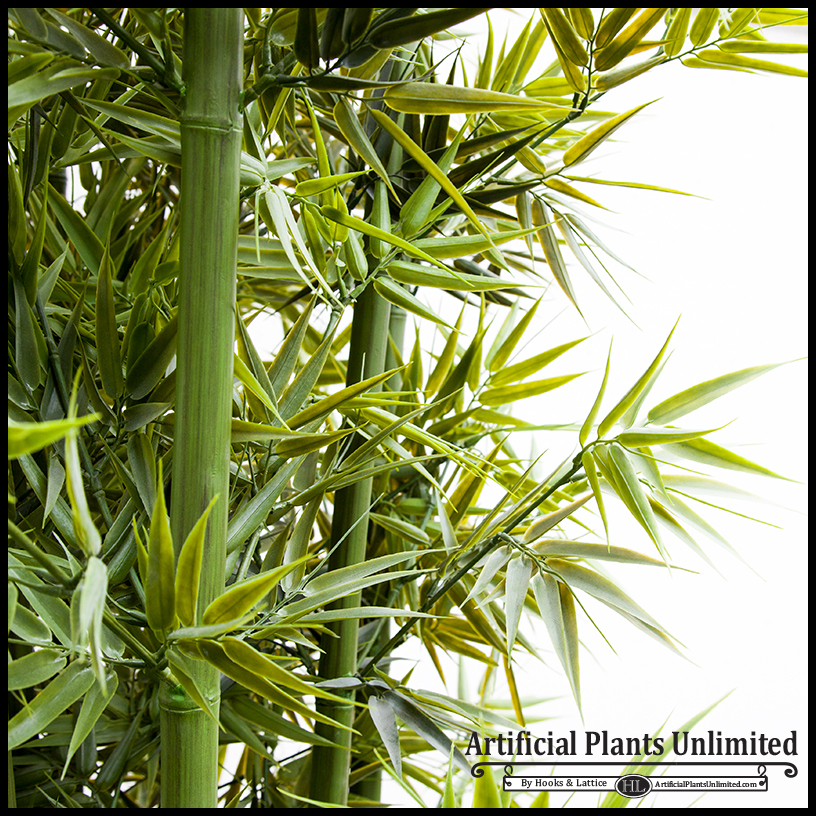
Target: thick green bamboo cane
{"x": 330, "y": 765}
{"x": 211, "y": 150}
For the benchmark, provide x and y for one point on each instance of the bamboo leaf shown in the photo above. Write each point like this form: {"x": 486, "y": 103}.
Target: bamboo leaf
{"x": 34, "y": 668}
{"x": 92, "y": 708}
{"x": 543, "y": 218}
{"x": 160, "y": 591}
{"x": 350, "y": 127}
{"x": 565, "y": 35}
{"x": 108, "y": 358}
{"x": 64, "y": 690}
{"x": 401, "y": 32}
{"x": 241, "y": 597}
{"x": 188, "y": 570}
{"x": 592, "y": 476}
{"x": 438, "y": 99}
{"x": 705, "y": 451}
{"x": 518, "y": 573}
{"x": 399, "y": 296}
{"x": 385, "y": 722}
{"x": 428, "y": 165}
{"x": 526, "y": 368}
{"x": 511, "y": 393}
{"x": 144, "y": 374}
{"x": 557, "y": 609}
{"x": 643, "y": 437}
{"x": 632, "y": 395}
{"x": 586, "y": 144}
{"x": 542, "y": 525}
{"x": 599, "y": 587}
{"x": 624, "y": 43}
{"x": 714, "y": 55}
{"x": 29, "y": 437}
{"x": 425, "y": 727}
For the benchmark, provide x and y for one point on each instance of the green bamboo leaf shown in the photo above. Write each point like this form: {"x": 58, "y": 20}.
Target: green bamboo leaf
{"x": 145, "y": 373}
{"x": 350, "y": 221}
{"x": 425, "y": 727}
{"x": 108, "y": 357}
{"x": 93, "y": 705}
{"x": 263, "y": 718}
{"x": 495, "y": 361}
{"x": 586, "y": 144}
{"x": 565, "y": 35}
{"x": 603, "y": 589}
{"x": 611, "y": 24}
{"x": 556, "y": 607}
{"x": 486, "y": 789}
{"x": 356, "y": 613}
{"x": 306, "y": 46}
{"x": 92, "y": 592}
{"x": 427, "y": 164}
{"x": 34, "y": 668}
{"x": 513, "y": 393}
{"x": 624, "y": 43}
{"x": 592, "y": 476}
{"x": 350, "y": 127}
{"x": 188, "y": 570}
{"x": 239, "y": 651}
{"x": 403, "y": 529}
{"x": 310, "y": 187}
{"x": 53, "y": 79}
{"x": 601, "y": 552}
{"x": 215, "y": 654}
{"x": 248, "y": 380}
{"x": 542, "y": 525}
{"x": 160, "y": 591}
{"x": 586, "y": 428}
{"x": 35, "y": 716}
{"x": 676, "y": 35}
{"x": 635, "y": 392}
{"x": 518, "y": 573}
{"x": 632, "y": 493}
{"x": 87, "y": 536}
{"x": 29, "y": 437}
{"x": 438, "y": 99}
{"x": 738, "y": 61}
{"x": 543, "y": 218}
{"x": 703, "y": 25}
{"x": 650, "y": 435}
{"x": 401, "y": 32}
{"x": 762, "y": 47}
{"x": 241, "y": 597}
{"x": 457, "y": 246}
{"x": 705, "y": 451}
{"x": 324, "y": 407}
{"x": 385, "y": 722}
{"x": 399, "y": 296}
{"x": 306, "y": 443}
{"x": 526, "y": 368}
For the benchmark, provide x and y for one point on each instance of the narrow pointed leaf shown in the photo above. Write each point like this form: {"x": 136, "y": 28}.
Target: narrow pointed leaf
{"x": 698, "y": 395}
{"x": 518, "y": 575}
{"x": 160, "y": 590}
{"x": 385, "y": 722}
{"x": 436, "y": 99}
{"x": 585, "y": 145}
{"x": 188, "y": 570}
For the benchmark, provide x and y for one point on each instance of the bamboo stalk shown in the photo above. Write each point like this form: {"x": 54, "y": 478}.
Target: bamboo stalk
{"x": 330, "y": 765}
{"x": 210, "y": 146}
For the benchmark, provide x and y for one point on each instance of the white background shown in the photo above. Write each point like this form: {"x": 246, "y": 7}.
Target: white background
{"x": 733, "y": 267}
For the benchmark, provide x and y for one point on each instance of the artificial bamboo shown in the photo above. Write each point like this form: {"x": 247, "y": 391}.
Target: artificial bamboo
{"x": 330, "y": 765}
{"x": 211, "y": 149}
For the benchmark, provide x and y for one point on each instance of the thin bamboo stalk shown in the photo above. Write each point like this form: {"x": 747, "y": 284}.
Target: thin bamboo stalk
{"x": 330, "y": 765}
{"x": 211, "y": 149}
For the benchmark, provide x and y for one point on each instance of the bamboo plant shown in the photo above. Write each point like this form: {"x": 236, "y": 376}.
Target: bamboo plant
{"x": 213, "y": 546}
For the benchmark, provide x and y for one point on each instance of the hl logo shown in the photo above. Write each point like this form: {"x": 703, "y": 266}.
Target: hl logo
{"x": 633, "y": 786}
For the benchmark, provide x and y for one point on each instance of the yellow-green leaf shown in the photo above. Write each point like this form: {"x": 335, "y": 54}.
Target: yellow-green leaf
{"x": 512, "y": 393}
{"x": 586, "y": 144}
{"x": 188, "y": 570}
{"x": 160, "y": 589}
{"x": 435, "y": 98}
{"x": 624, "y": 43}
